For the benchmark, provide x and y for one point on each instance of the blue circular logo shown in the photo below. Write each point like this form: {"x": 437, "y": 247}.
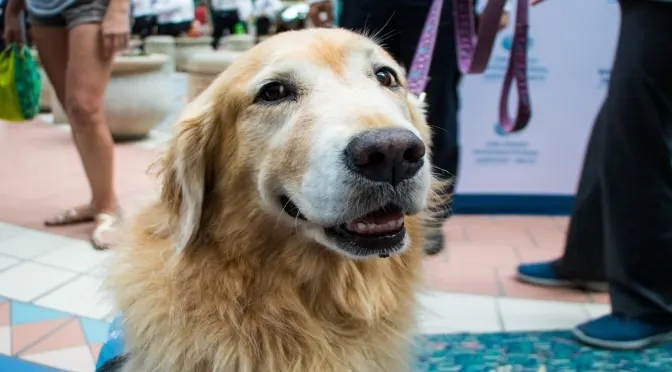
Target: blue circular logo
{"x": 507, "y": 42}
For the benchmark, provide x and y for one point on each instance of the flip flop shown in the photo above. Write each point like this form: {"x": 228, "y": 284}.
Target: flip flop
{"x": 106, "y": 224}
{"x": 71, "y": 216}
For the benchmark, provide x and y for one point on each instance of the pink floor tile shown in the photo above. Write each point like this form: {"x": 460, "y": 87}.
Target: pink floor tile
{"x": 528, "y": 255}
{"x": 547, "y": 238}
{"x": 599, "y": 298}
{"x": 500, "y": 235}
{"x": 70, "y": 335}
{"x": 95, "y": 350}
{"x": 42, "y": 175}
{"x": 489, "y": 255}
{"x": 454, "y": 232}
{"x": 514, "y": 288}
{"x": 528, "y": 222}
{"x": 4, "y": 314}
{"x": 24, "y": 335}
{"x": 471, "y": 220}
{"x": 449, "y": 277}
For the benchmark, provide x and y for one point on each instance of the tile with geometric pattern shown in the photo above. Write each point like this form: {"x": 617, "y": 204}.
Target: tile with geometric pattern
{"x": 38, "y": 336}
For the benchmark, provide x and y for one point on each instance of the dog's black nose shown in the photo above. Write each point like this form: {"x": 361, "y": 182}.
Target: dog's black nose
{"x": 386, "y": 155}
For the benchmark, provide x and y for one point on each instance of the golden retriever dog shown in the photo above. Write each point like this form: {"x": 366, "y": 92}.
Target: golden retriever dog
{"x": 288, "y": 236}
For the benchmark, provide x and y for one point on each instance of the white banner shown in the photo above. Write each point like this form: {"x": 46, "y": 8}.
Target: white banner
{"x": 571, "y": 46}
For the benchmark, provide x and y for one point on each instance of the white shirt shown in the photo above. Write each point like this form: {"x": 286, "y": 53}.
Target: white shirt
{"x": 244, "y": 7}
{"x": 143, "y": 8}
{"x": 174, "y": 11}
{"x": 267, "y": 8}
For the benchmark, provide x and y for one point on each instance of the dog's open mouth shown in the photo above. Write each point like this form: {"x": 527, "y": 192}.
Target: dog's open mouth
{"x": 388, "y": 220}
{"x": 380, "y": 232}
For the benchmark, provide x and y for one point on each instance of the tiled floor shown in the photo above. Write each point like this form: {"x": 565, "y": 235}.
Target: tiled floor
{"x": 52, "y": 312}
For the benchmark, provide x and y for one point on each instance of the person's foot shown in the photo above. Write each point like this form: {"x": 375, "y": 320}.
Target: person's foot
{"x": 105, "y": 230}
{"x": 614, "y": 332}
{"x": 435, "y": 243}
{"x": 544, "y": 274}
{"x": 79, "y": 214}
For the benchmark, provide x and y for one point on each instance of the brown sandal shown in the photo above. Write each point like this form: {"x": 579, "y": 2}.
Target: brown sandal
{"x": 72, "y": 216}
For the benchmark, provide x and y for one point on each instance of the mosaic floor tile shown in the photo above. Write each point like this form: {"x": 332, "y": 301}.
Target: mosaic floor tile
{"x": 24, "y": 313}
{"x": 74, "y": 359}
{"x": 25, "y": 335}
{"x": 4, "y": 313}
{"x": 10, "y": 364}
{"x": 5, "y": 341}
{"x": 95, "y": 331}
{"x": 68, "y": 336}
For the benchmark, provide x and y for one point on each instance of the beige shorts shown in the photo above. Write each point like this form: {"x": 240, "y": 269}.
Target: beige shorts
{"x": 79, "y": 13}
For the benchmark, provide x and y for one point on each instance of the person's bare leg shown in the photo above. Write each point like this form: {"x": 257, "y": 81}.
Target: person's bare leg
{"x": 52, "y": 46}
{"x": 86, "y": 77}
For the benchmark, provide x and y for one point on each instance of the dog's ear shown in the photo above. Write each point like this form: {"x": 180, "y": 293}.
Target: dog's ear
{"x": 185, "y": 170}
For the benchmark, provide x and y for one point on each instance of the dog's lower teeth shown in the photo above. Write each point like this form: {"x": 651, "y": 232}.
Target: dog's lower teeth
{"x": 373, "y": 228}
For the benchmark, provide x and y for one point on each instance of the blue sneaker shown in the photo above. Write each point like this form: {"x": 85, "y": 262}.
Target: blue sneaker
{"x": 544, "y": 274}
{"x": 614, "y": 332}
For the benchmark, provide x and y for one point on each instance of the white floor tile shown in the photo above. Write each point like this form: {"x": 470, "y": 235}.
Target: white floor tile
{"x": 77, "y": 256}
{"x": 454, "y": 313}
{"x": 74, "y": 359}
{"x": 535, "y": 315}
{"x": 28, "y": 280}
{"x": 82, "y": 296}
{"x": 31, "y": 243}
{"x": 5, "y": 341}
{"x": 9, "y": 230}
{"x": 99, "y": 271}
{"x": 597, "y": 310}
{"x": 7, "y": 261}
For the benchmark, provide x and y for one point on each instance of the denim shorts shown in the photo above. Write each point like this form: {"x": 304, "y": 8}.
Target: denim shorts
{"x": 79, "y": 13}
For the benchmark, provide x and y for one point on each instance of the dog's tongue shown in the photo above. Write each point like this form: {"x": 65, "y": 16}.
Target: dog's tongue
{"x": 382, "y": 221}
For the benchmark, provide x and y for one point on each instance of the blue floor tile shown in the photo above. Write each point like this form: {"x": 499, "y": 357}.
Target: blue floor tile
{"x": 9, "y": 364}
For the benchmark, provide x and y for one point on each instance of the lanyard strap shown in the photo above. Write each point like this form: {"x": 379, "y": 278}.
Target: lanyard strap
{"x": 474, "y": 52}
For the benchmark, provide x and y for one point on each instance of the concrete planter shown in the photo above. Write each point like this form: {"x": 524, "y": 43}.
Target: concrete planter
{"x": 138, "y": 98}
{"x": 238, "y": 43}
{"x": 188, "y": 46}
{"x": 203, "y": 68}
{"x": 162, "y": 45}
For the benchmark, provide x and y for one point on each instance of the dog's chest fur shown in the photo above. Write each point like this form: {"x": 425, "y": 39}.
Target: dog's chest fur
{"x": 248, "y": 314}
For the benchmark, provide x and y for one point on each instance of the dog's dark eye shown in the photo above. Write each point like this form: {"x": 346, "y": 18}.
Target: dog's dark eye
{"x": 274, "y": 92}
{"x": 387, "y": 77}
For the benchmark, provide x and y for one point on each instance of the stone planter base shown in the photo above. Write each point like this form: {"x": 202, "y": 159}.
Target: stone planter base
{"x": 162, "y": 45}
{"x": 203, "y": 68}
{"x": 188, "y": 46}
{"x": 138, "y": 98}
{"x": 238, "y": 43}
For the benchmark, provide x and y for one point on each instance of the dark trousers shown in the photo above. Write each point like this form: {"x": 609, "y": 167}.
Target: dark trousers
{"x": 621, "y": 227}
{"x": 263, "y": 26}
{"x": 223, "y": 20}
{"x": 398, "y": 23}
{"x": 143, "y": 26}
{"x": 173, "y": 29}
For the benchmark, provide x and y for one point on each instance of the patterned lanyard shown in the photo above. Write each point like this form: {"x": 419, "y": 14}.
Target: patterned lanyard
{"x": 473, "y": 53}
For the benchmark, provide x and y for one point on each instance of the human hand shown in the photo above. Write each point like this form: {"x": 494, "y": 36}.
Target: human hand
{"x": 317, "y": 8}
{"x": 115, "y": 29}
{"x": 536, "y": 2}
{"x": 13, "y": 32}
{"x": 504, "y": 20}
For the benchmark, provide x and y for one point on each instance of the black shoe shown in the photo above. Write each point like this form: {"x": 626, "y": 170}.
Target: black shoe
{"x": 435, "y": 243}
